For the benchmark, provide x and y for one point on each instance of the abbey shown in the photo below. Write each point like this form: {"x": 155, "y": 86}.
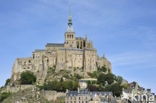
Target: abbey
{"x": 75, "y": 52}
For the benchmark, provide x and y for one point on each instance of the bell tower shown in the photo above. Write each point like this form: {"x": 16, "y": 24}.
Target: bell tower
{"x": 70, "y": 41}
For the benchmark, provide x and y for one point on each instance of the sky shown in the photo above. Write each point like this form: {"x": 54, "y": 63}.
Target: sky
{"x": 122, "y": 30}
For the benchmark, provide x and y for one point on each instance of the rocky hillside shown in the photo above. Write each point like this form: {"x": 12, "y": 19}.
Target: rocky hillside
{"x": 30, "y": 96}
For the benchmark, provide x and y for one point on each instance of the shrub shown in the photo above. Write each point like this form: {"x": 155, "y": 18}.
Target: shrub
{"x": 28, "y": 78}
{"x": 95, "y": 74}
{"x": 102, "y": 69}
{"x": 116, "y": 89}
{"x": 77, "y": 76}
{"x": 106, "y": 77}
{"x": 4, "y": 96}
{"x": 60, "y": 85}
{"x": 75, "y": 85}
{"x": 92, "y": 87}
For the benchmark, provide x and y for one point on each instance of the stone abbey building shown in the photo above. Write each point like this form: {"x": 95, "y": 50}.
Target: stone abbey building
{"x": 75, "y": 52}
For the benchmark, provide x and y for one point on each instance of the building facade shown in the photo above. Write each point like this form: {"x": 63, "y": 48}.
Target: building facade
{"x": 86, "y": 96}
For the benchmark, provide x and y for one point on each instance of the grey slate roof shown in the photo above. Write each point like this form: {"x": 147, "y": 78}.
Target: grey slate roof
{"x": 54, "y": 45}
{"x": 70, "y": 29}
{"x": 79, "y": 38}
{"x": 102, "y": 93}
{"x": 87, "y": 92}
{"x": 39, "y": 50}
{"x": 75, "y": 93}
{"x": 77, "y": 49}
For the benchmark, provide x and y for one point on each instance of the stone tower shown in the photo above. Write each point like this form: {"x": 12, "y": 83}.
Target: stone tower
{"x": 70, "y": 34}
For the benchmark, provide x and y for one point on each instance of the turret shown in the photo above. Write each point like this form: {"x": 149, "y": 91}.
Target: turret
{"x": 86, "y": 42}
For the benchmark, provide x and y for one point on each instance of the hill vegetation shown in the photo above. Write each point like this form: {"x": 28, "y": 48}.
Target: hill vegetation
{"x": 27, "y": 78}
{"x": 106, "y": 81}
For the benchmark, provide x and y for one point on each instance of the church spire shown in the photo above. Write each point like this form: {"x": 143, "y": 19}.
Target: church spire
{"x": 70, "y": 17}
{"x": 70, "y": 28}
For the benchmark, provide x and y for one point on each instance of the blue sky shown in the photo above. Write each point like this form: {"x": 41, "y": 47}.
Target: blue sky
{"x": 123, "y": 30}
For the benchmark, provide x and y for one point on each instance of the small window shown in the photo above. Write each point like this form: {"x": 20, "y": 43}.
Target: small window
{"x": 33, "y": 56}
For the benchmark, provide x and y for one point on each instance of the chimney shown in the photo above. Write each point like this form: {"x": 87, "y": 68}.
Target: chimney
{"x": 78, "y": 90}
{"x": 67, "y": 90}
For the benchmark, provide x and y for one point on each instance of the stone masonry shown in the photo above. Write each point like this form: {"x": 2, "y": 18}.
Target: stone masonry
{"x": 75, "y": 52}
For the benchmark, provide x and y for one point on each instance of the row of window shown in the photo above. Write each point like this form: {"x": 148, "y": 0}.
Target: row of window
{"x": 79, "y": 98}
{"x": 75, "y": 102}
{"x": 69, "y": 42}
{"x": 27, "y": 68}
{"x": 70, "y": 36}
{"x": 29, "y": 61}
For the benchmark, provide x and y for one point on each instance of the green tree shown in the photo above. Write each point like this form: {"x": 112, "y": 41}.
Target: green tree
{"x": 106, "y": 77}
{"x": 7, "y": 82}
{"x": 102, "y": 79}
{"x": 110, "y": 78}
{"x": 119, "y": 79}
{"x": 28, "y": 78}
{"x": 116, "y": 89}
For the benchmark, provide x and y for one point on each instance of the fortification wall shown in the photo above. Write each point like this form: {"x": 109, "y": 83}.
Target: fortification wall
{"x": 52, "y": 95}
{"x": 62, "y": 58}
{"x": 14, "y": 89}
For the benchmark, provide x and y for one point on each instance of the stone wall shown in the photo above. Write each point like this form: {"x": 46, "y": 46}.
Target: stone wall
{"x": 62, "y": 58}
{"x": 52, "y": 95}
{"x": 14, "y": 89}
